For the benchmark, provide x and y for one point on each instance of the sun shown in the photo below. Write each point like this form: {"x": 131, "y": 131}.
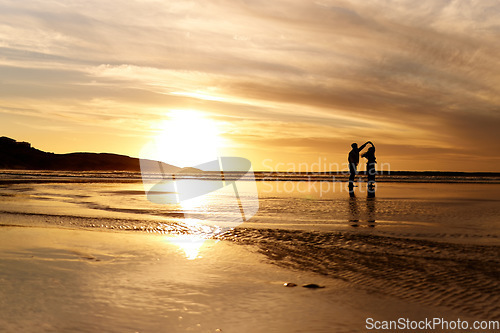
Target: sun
{"x": 187, "y": 138}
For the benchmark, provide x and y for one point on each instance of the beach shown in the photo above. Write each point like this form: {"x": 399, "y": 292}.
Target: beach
{"x": 179, "y": 166}
{"x": 98, "y": 257}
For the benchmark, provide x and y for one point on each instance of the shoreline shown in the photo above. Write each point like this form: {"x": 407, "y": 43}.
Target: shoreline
{"x": 9, "y": 176}
{"x": 169, "y": 227}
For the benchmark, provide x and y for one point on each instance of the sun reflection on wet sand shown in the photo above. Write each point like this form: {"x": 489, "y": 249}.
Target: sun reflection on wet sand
{"x": 189, "y": 244}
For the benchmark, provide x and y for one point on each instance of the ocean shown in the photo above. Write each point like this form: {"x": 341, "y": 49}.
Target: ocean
{"x": 87, "y": 252}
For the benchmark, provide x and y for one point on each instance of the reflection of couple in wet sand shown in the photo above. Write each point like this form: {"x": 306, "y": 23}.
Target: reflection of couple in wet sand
{"x": 355, "y": 212}
{"x": 353, "y": 160}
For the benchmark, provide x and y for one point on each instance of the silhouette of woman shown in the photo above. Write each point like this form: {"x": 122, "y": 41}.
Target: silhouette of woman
{"x": 370, "y": 165}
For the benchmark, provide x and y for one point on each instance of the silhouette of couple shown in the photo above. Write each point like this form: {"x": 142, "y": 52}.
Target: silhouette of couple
{"x": 353, "y": 160}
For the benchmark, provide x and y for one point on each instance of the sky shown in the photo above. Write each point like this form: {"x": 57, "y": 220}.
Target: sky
{"x": 287, "y": 84}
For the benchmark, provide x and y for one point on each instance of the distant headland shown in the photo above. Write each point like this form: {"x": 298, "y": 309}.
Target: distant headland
{"x": 22, "y": 156}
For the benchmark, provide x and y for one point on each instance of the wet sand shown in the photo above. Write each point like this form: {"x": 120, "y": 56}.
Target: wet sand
{"x": 99, "y": 257}
{"x": 67, "y": 280}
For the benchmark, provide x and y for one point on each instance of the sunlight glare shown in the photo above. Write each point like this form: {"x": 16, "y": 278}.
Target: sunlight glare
{"x": 189, "y": 244}
{"x": 187, "y": 138}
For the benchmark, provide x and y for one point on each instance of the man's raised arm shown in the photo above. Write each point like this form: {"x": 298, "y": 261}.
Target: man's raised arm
{"x": 364, "y": 145}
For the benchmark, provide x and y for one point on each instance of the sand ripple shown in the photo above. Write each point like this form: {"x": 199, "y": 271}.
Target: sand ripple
{"x": 465, "y": 278}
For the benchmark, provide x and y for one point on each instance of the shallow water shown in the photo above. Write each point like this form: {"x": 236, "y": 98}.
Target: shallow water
{"x": 454, "y": 212}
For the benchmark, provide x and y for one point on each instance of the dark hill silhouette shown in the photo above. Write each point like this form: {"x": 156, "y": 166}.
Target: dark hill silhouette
{"x": 20, "y": 155}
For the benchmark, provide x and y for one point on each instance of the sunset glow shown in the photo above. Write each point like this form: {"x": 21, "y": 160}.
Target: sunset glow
{"x": 291, "y": 81}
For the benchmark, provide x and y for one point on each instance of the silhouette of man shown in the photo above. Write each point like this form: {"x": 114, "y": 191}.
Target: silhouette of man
{"x": 353, "y": 160}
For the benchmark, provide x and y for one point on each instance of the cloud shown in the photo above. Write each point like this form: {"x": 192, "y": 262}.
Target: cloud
{"x": 310, "y": 75}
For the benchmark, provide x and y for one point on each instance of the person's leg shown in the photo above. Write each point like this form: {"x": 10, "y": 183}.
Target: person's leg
{"x": 352, "y": 173}
{"x": 371, "y": 173}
